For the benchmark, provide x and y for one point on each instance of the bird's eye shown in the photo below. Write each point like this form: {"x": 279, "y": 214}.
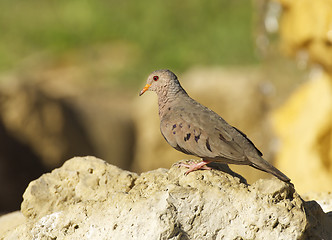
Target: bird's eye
{"x": 155, "y": 78}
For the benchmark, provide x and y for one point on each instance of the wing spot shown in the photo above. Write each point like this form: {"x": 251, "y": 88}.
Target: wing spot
{"x": 208, "y": 145}
{"x": 197, "y": 137}
{"x": 174, "y": 132}
{"x": 174, "y": 126}
{"x": 187, "y": 137}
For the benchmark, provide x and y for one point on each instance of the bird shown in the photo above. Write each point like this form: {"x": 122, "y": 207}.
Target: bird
{"x": 194, "y": 129}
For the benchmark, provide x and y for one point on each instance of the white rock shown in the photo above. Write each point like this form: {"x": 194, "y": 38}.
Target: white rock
{"x": 89, "y": 199}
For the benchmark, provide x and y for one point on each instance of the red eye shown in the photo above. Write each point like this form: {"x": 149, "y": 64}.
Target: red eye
{"x": 155, "y": 78}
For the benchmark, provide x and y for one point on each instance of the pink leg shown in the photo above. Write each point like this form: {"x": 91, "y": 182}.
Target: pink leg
{"x": 195, "y": 166}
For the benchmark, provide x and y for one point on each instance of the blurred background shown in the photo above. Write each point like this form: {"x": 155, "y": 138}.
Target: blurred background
{"x": 71, "y": 71}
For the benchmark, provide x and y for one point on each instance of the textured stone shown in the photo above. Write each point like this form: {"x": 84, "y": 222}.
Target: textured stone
{"x": 78, "y": 180}
{"x": 10, "y": 221}
{"x": 89, "y": 199}
{"x": 323, "y": 198}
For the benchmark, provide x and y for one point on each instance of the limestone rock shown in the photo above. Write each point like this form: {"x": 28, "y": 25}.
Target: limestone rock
{"x": 304, "y": 125}
{"x": 88, "y": 199}
{"x": 10, "y": 221}
{"x": 78, "y": 180}
{"x": 323, "y": 198}
{"x": 235, "y": 94}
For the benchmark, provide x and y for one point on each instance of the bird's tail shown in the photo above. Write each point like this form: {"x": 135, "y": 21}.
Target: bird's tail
{"x": 265, "y": 166}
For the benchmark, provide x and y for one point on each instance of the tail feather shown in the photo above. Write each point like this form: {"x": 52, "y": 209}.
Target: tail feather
{"x": 265, "y": 166}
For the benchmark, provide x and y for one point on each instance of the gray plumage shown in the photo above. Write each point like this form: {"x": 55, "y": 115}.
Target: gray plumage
{"x": 194, "y": 129}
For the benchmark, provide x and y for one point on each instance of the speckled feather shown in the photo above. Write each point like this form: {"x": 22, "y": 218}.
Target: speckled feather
{"x": 194, "y": 129}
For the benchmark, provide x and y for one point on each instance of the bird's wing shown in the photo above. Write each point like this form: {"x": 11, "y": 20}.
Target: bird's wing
{"x": 203, "y": 133}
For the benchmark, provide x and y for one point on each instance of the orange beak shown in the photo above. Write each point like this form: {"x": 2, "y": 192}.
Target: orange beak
{"x": 145, "y": 89}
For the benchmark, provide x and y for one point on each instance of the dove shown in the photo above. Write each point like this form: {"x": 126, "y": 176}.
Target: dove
{"x": 194, "y": 129}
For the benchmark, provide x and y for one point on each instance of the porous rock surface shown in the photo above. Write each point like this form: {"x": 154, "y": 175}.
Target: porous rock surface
{"x": 89, "y": 199}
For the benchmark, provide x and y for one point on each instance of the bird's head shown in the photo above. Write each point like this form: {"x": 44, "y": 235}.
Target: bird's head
{"x": 160, "y": 80}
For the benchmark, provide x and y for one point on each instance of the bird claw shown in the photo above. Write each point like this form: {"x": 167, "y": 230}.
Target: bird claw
{"x": 195, "y": 166}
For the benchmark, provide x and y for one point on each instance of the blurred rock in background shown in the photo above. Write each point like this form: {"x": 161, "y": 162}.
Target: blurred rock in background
{"x": 49, "y": 125}
{"x": 304, "y": 125}
{"x": 45, "y": 120}
{"x": 304, "y": 122}
{"x": 306, "y": 31}
{"x": 19, "y": 165}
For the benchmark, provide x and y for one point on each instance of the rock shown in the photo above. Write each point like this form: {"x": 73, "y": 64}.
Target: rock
{"x": 58, "y": 121}
{"x": 304, "y": 126}
{"x": 324, "y": 199}
{"x": 78, "y": 180}
{"x": 45, "y": 123}
{"x": 10, "y": 221}
{"x": 18, "y": 166}
{"x": 45, "y": 120}
{"x": 89, "y": 199}
{"x": 222, "y": 90}
{"x": 304, "y": 122}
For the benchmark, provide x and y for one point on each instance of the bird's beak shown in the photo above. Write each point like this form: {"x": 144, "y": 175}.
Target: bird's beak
{"x": 145, "y": 89}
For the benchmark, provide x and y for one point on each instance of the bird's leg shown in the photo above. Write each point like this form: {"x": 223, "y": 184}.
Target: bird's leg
{"x": 195, "y": 166}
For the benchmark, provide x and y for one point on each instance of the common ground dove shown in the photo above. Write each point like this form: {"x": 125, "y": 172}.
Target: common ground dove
{"x": 194, "y": 129}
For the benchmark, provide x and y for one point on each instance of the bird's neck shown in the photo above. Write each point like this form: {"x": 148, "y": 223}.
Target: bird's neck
{"x": 167, "y": 98}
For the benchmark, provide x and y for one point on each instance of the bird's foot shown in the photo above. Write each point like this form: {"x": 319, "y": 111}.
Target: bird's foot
{"x": 195, "y": 166}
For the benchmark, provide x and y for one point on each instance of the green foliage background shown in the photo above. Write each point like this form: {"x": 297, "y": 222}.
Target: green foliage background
{"x": 158, "y": 34}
